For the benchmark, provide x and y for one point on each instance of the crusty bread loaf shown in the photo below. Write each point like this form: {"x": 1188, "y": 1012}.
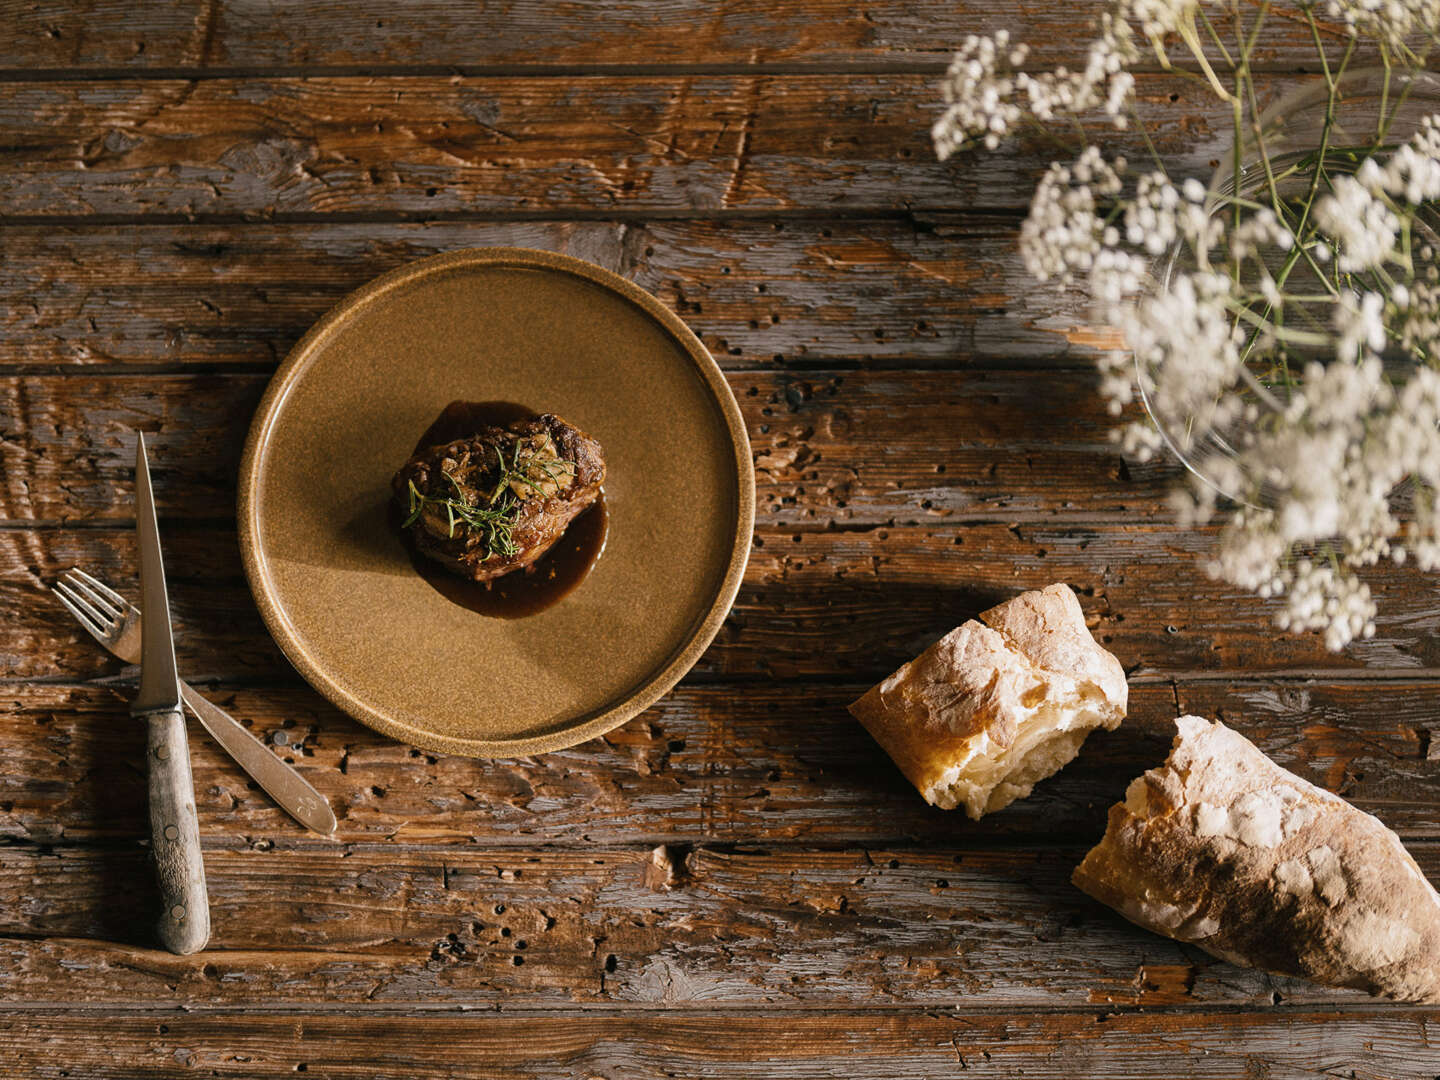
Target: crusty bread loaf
{"x": 1222, "y": 848}
{"x": 996, "y": 705}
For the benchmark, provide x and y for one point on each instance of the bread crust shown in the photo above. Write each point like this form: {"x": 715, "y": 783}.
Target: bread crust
{"x": 1222, "y": 848}
{"x": 1048, "y": 626}
{"x": 973, "y": 691}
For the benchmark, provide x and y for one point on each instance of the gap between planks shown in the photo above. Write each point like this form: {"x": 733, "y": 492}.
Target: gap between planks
{"x": 1239, "y": 677}
{"x": 299, "y": 842}
{"x": 922, "y": 218}
{"x": 1298, "y": 1011}
{"x": 933, "y": 63}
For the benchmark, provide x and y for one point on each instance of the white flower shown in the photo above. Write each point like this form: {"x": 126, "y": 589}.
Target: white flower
{"x": 1361, "y": 325}
{"x": 1187, "y": 350}
{"x": 1362, "y": 226}
{"x": 1063, "y": 234}
{"x": 1250, "y": 551}
{"x": 1338, "y": 464}
{"x": 1116, "y": 276}
{"x": 1260, "y": 230}
{"x": 987, "y": 96}
{"x": 1159, "y": 17}
{"x": 1412, "y": 173}
{"x": 979, "y": 94}
{"x": 1406, "y": 443}
{"x": 1420, "y": 329}
{"x": 1329, "y": 469}
{"x": 1322, "y": 598}
{"x": 1159, "y": 214}
{"x": 1150, "y": 219}
{"x": 1392, "y": 21}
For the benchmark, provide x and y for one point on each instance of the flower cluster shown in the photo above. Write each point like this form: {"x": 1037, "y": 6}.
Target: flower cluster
{"x": 980, "y": 92}
{"x": 1284, "y": 333}
{"x": 987, "y": 94}
{"x": 1389, "y": 21}
{"x": 1362, "y": 226}
{"x": 1322, "y": 455}
{"x": 1064, "y": 233}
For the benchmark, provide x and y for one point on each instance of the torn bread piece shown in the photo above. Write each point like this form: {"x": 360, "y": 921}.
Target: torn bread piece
{"x": 1222, "y": 848}
{"x": 998, "y": 704}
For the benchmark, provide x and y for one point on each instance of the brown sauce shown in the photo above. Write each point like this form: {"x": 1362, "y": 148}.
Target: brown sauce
{"x": 553, "y": 576}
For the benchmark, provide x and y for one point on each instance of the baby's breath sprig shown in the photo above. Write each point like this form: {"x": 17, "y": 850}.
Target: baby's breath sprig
{"x": 1282, "y": 324}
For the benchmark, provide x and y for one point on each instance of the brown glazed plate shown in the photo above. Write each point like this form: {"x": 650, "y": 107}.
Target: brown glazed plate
{"x": 334, "y": 582}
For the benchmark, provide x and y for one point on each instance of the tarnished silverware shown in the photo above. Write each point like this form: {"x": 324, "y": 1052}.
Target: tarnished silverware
{"x": 174, "y": 825}
{"x": 115, "y": 623}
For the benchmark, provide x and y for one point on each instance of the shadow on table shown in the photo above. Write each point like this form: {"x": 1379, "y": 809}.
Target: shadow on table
{"x": 121, "y": 902}
{"x": 839, "y": 638}
{"x": 843, "y": 628}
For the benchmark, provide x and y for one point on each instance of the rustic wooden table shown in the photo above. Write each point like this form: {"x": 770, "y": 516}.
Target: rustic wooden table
{"x": 737, "y": 884}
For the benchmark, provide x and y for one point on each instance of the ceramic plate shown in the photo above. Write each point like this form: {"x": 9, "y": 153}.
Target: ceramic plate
{"x": 336, "y": 586}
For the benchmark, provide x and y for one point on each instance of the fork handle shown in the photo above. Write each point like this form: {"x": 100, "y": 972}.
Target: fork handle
{"x": 288, "y": 788}
{"x": 175, "y": 837}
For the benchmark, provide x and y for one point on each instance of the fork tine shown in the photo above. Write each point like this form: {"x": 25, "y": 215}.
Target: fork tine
{"x": 85, "y": 589}
{"x": 84, "y": 619}
{"x": 68, "y": 591}
{"x": 104, "y": 590}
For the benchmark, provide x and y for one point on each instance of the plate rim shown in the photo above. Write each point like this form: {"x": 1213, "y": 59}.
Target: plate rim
{"x": 292, "y": 368}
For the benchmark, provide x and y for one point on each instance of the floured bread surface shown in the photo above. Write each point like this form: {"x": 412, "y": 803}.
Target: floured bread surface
{"x": 1222, "y": 848}
{"x": 997, "y": 704}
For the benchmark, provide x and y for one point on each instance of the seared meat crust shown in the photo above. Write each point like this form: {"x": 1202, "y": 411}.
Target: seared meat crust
{"x": 494, "y": 502}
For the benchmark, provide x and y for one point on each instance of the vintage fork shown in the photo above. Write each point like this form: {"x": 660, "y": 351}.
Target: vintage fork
{"x": 115, "y": 623}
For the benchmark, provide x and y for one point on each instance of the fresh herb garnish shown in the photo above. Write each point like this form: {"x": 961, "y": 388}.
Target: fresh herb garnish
{"x": 495, "y": 522}
{"x": 556, "y": 469}
{"x": 496, "y": 517}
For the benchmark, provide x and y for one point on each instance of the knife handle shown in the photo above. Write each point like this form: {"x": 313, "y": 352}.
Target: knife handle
{"x": 175, "y": 837}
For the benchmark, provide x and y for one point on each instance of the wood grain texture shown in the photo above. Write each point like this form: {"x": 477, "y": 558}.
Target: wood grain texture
{"x": 829, "y": 446}
{"x": 103, "y": 34}
{"x": 736, "y": 883}
{"x": 767, "y": 764}
{"x": 1281, "y": 1044}
{"x": 945, "y": 292}
{"x": 526, "y": 927}
{"x": 852, "y": 603}
{"x": 289, "y": 790}
{"x": 421, "y": 145}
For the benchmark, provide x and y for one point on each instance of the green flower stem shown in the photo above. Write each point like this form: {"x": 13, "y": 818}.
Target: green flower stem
{"x": 1287, "y": 334}
{"x": 1189, "y": 35}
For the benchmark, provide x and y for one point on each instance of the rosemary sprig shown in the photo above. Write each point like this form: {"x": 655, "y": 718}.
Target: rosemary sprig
{"x": 494, "y": 521}
{"x": 496, "y": 516}
{"x": 555, "y": 469}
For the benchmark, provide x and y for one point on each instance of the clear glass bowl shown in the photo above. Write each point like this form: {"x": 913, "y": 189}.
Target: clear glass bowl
{"x": 1371, "y": 115}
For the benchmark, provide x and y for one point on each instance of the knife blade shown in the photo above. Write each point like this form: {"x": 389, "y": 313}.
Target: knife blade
{"x": 184, "y": 924}
{"x": 159, "y": 678}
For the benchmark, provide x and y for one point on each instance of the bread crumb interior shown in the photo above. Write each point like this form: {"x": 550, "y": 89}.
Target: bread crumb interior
{"x": 1048, "y": 736}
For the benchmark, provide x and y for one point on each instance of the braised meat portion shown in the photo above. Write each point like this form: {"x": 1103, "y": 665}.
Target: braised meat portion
{"x": 495, "y": 501}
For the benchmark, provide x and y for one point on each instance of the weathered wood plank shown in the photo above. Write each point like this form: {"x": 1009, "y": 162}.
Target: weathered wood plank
{"x": 759, "y": 293}
{"x": 1280, "y": 1044}
{"x": 847, "y": 604}
{"x": 847, "y": 447}
{"x": 592, "y": 924}
{"x": 748, "y": 764}
{"x": 427, "y": 144}
{"x": 436, "y": 34}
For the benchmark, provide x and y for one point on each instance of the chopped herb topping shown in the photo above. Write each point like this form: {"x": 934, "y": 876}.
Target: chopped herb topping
{"x": 493, "y": 516}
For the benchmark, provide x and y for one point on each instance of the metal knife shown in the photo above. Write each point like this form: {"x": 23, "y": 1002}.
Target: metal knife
{"x": 174, "y": 824}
